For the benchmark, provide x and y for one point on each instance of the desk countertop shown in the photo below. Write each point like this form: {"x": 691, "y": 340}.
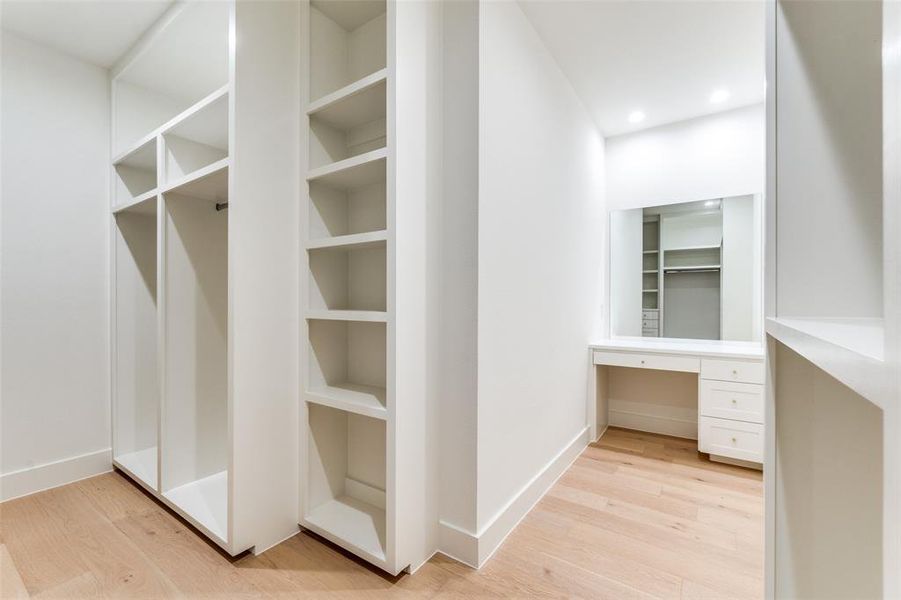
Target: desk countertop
{"x": 709, "y": 348}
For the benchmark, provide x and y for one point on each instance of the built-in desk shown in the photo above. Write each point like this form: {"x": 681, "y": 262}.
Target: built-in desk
{"x": 731, "y": 379}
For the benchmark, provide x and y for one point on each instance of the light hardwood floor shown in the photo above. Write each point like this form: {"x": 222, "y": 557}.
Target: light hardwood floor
{"x": 636, "y": 516}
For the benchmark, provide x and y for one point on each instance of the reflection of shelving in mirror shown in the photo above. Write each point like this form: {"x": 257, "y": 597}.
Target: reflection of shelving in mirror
{"x": 690, "y": 269}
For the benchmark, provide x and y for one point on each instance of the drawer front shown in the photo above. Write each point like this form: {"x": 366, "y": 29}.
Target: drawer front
{"x": 650, "y": 333}
{"x": 663, "y": 362}
{"x": 743, "y": 371}
{"x": 649, "y": 323}
{"x": 650, "y": 315}
{"x": 728, "y": 400}
{"x": 732, "y": 439}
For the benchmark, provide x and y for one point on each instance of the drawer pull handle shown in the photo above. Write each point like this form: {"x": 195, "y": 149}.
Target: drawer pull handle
{"x": 735, "y": 371}
{"x": 734, "y": 440}
{"x": 642, "y": 362}
{"x": 734, "y": 401}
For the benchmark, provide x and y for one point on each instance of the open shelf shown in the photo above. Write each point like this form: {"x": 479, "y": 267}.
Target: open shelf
{"x": 353, "y": 524}
{"x": 697, "y": 257}
{"x": 361, "y": 102}
{"x": 140, "y": 465}
{"x": 348, "y": 41}
{"x": 649, "y": 271}
{"x": 198, "y": 138}
{"x": 850, "y": 350}
{"x": 207, "y": 183}
{"x": 650, "y": 251}
{"x": 185, "y": 61}
{"x": 366, "y": 400}
{"x": 205, "y": 503}
{"x": 370, "y": 239}
{"x": 357, "y": 171}
{"x": 349, "y": 277}
{"x": 347, "y": 364}
{"x": 365, "y": 316}
{"x": 136, "y": 174}
{"x": 347, "y": 474}
{"x": 143, "y": 204}
{"x": 338, "y": 213}
{"x": 654, "y": 291}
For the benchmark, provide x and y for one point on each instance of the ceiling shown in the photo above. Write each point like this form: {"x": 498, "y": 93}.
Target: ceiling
{"x": 664, "y": 58}
{"x": 98, "y": 32}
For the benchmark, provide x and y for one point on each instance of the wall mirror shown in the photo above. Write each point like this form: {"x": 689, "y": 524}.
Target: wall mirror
{"x": 691, "y": 270}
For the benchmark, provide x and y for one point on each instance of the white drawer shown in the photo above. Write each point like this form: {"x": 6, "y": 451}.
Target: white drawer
{"x": 649, "y": 324}
{"x": 728, "y": 400}
{"x": 650, "y": 315}
{"x": 732, "y": 439}
{"x": 744, "y": 371}
{"x": 663, "y": 362}
{"x": 650, "y": 333}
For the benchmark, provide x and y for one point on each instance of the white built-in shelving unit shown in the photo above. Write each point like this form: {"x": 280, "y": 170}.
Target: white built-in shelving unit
{"x": 361, "y": 455}
{"x": 201, "y": 204}
{"x": 833, "y": 300}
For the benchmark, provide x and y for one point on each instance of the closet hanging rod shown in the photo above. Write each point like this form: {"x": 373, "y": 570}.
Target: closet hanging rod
{"x": 706, "y": 270}
{"x": 221, "y": 206}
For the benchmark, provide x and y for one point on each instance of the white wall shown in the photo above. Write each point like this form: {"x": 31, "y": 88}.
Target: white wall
{"x": 54, "y": 284}
{"x": 625, "y": 269}
{"x": 456, "y": 344}
{"x": 709, "y": 157}
{"x": 541, "y": 245}
{"x": 741, "y": 285}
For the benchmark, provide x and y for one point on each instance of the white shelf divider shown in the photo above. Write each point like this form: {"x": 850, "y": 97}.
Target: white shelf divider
{"x": 143, "y": 204}
{"x": 360, "y": 102}
{"x": 349, "y": 522}
{"x": 370, "y": 316}
{"x": 204, "y": 503}
{"x": 850, "y": 350}
{"x": 140, "y": 465}
{"x": 209, "y": 183}
{"x": 356, "y": 241}
{"x": 352, "y": 172}
{"x": 365, "y": 400}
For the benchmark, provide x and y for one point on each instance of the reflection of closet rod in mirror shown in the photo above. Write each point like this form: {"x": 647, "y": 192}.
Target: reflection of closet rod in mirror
{"x": 700, "y": 269}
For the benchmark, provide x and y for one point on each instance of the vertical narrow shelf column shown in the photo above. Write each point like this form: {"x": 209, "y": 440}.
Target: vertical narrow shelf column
{"x": 346, "y": 401}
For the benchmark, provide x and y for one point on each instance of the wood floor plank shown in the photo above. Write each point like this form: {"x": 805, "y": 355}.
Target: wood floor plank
{"x": 11, "y": 586}
{"x": 637, "y": 516}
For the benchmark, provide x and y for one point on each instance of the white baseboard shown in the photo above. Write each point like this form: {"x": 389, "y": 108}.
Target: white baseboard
{"x": 666, "y": 420}
{"x": 474, "y": 549}
{"x": 458, "y": 544}
{"x": 51, "y": 475}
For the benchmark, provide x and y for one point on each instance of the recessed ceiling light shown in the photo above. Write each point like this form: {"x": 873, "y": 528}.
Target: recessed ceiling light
{"x": 636, "y": 116}
{"x": 719, "y": 96}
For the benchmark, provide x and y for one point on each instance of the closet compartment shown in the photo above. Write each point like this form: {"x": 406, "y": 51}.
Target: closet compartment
{"x": 349, "y": 122}
{"x": 345, "y": 492}
{"x": 136, "y": 393}
{"x": 829, "y": 185}
{"x": 135, "y": 175}
{"x": 198, "y": 142}
{"x": 185, "y": 61}
{"x": 347, "y": 366}
{"x": 338, "y": 212}
{"x": 699, "y": 257}
{"x": 349, "y": 277}
{"x": 348, "y": 41}
{"x": 195, "y": 416}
